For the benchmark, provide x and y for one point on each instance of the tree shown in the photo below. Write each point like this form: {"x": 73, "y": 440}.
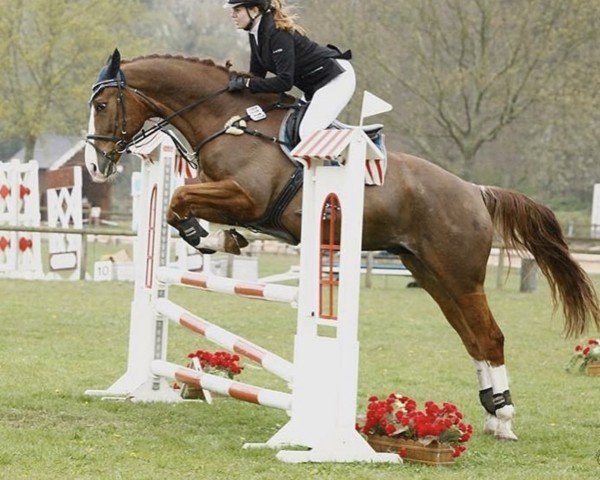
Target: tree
{"x": 198, "y": 29}
{"x": 478, "y": 65}
{"x": 478, "y": 79}
{"x": 51, "y": 53}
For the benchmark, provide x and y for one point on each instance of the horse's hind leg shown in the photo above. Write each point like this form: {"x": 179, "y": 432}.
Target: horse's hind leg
{"x": 470, "y": 316}
{"x": 494, "y": 392}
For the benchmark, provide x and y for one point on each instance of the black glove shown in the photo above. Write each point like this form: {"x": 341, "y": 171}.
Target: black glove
{"x": 237, "y": 82}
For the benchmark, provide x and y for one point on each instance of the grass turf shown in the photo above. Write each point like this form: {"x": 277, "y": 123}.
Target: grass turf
{"x": 58, "y": 339}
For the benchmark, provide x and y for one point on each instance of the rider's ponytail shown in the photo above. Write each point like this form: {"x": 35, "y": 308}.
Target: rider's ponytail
{"x": 284, "y": 20}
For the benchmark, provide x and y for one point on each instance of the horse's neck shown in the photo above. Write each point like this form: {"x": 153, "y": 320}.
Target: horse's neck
{"x": 205, "y": 120}
{"x": 172, "y": 89}
{"x": 173, "y": 92}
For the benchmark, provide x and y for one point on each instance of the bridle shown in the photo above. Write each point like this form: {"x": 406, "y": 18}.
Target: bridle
{"x": 121, "y": 144}
{"x": 119, "y": 135}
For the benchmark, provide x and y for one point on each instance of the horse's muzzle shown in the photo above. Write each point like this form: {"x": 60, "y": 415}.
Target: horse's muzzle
{"x": 101, "y": 165}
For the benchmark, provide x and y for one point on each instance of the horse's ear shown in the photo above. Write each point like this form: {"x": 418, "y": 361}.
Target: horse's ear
{"x": 228, "y": 64}
{"x": 114, "y": 64}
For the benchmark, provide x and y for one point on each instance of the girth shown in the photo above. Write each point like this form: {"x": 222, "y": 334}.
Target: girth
{"x": 270, "y": 223}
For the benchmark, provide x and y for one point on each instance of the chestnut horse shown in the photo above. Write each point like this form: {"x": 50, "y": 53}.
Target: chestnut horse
{"x": 440, "y": 225}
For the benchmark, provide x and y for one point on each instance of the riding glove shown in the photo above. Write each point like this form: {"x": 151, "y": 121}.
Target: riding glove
{"x": 237, "y": 82}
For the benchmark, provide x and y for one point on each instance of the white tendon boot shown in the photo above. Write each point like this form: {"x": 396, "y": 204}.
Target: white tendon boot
{"x": 495, "y": 396}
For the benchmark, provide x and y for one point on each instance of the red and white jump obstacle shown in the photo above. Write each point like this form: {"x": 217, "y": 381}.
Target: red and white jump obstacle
{"x": 151, "y": 311}
{"x": 324, "y": 374}
{"x": 20, "y": 252}
{"x": 268, "y": 360}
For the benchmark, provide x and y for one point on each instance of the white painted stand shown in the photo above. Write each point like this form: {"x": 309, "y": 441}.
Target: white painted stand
{"x": 595, "y": 228}
{"x": 323, "y": 414}
{"x": 65, "y": 210}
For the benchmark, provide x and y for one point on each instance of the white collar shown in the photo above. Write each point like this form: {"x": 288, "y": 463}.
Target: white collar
{"x": 254, "y": 29}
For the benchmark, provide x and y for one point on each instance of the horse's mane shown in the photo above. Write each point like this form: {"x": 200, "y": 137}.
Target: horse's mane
{"x": 204, "y": 61}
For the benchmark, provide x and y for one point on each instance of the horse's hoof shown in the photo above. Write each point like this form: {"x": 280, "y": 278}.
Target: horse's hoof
{"x": 504, "y": 427}
{"x": 490, "y": 424}
{"x": 230, "y": 243}
{"x": 239, "y": 238}
{"x": 506, "y": 436}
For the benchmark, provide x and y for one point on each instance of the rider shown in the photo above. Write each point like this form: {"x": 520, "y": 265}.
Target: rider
{"x": 279, "y": 46}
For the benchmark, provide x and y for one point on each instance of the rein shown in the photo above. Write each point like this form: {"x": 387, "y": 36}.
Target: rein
{"x": 122, "y": 145}
{"x": 279, "y": 105}
{"x": 190, "y": 158}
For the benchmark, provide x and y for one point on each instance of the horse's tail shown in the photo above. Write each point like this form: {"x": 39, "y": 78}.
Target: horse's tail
{"x": 527, "y": 225}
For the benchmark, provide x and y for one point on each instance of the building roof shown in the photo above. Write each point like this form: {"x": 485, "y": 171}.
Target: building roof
{"x": 68, "y": 155}
{"x": 49, "y": 148}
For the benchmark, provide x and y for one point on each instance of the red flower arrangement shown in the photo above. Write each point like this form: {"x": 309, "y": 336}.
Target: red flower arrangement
{"x": 584, "y": 354}
{"x": 222, "y": 364}
{"x": 397, "y": 416}
{"x": 218, "y": 363}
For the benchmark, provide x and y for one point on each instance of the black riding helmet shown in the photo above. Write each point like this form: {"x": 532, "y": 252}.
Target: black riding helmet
{"x": 263, "y": 4}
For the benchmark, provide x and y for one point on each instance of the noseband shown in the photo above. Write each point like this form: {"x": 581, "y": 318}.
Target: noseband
{"x": 119, "y": 135}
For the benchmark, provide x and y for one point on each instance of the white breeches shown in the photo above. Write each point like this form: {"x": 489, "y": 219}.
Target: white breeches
{"x": 329, "y": 101}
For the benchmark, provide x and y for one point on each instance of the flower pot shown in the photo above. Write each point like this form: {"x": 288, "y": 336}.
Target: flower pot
{"x": 413, "y": 451}
{"x": 593, "y": 369}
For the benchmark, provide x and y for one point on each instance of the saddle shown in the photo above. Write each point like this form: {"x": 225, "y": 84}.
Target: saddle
{"x": 290, "y": 128}
{"x": 289, "y": 137}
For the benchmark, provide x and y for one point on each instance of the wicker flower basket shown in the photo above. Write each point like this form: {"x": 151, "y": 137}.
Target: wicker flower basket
{"x": 189, "y": 392}
{"x": 593, "y": 369}
{"x": 432, "y": 454}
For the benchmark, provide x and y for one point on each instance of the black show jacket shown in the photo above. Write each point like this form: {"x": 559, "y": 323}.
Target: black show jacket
{"x": 293, "y": 58}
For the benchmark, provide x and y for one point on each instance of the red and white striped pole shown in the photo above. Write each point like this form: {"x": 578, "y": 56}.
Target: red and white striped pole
{"x": 269, "y": 361}
{"x": 223, "y": 386}
{"x": 264, "y": 291}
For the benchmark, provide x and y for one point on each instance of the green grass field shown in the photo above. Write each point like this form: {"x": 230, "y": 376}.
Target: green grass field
{"x": 58, "y": 339}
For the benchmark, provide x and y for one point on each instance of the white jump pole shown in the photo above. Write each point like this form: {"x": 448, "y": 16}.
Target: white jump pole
{"x": 230, "y": 286}
{"x": 148, "y": 330}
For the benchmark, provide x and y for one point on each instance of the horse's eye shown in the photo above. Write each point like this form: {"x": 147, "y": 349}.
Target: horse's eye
{"x": 99, "y": 107}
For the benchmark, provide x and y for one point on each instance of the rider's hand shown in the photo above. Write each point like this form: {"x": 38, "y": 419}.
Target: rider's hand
{"x": 237, "y": 82}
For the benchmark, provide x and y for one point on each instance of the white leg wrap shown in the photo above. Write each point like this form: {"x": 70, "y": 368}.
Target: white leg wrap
{"x": 499, "y": 379}
{"x": 483, "y": 374}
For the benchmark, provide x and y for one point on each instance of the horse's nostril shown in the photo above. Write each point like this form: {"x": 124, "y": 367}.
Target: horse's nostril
{"x": 94, "y": 168}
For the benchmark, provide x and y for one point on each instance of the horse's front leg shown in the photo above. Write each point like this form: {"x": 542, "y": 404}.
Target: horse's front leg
{"x": 221, "y": 202}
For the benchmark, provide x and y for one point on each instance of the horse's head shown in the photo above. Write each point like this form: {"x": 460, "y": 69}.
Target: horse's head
{"x": 114, "y": 118}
